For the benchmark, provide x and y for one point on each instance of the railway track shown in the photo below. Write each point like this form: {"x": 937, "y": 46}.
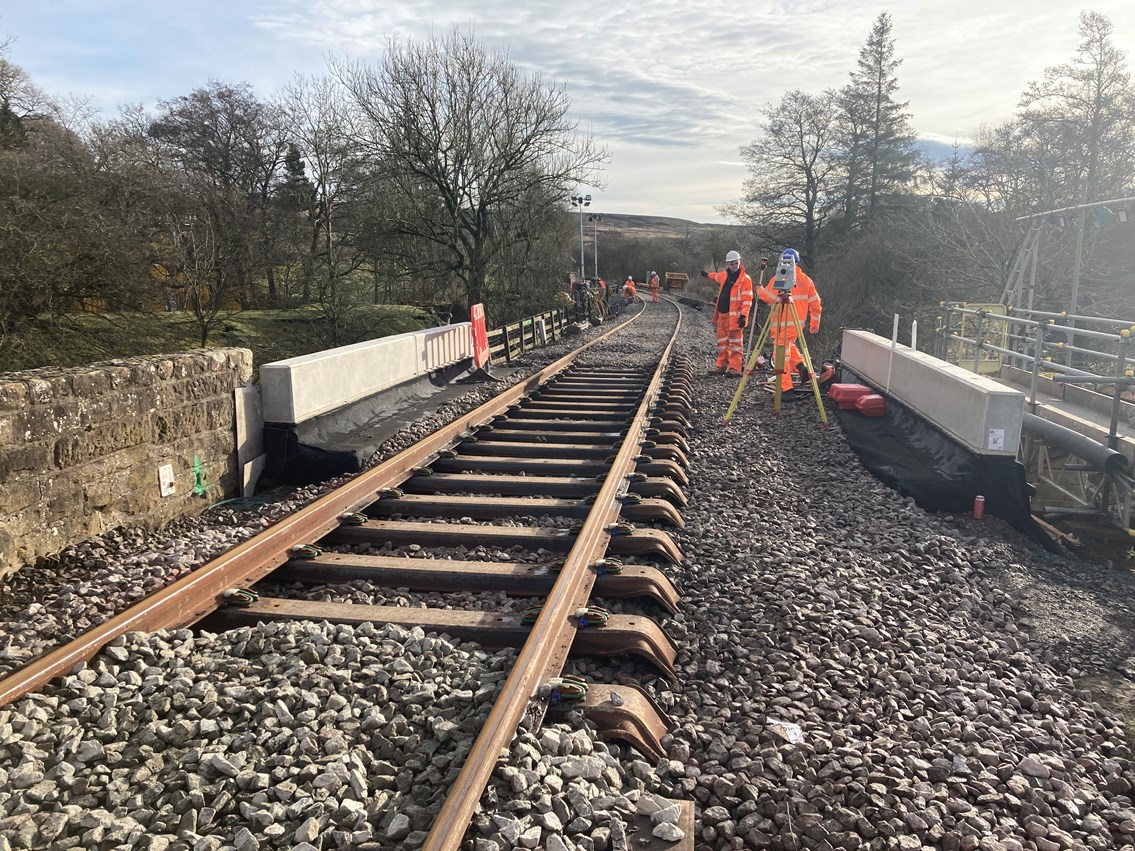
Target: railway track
{"x": 555, "y": 471}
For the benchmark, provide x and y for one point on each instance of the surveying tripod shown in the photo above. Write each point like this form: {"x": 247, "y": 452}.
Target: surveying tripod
{"x": 779, "y": 308}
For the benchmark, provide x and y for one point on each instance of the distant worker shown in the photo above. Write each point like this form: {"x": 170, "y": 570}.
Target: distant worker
{"x": 629, "y": 291}
{"x": 600, "y": 310}
{"x": 731, "y": 313}
{"x": 806, "y": 305}
{"x": 579, "y": 293}
{"x": 654, "y": 287}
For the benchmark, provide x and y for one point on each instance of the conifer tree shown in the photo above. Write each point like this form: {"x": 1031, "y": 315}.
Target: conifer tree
{"x": 879, "y": 155}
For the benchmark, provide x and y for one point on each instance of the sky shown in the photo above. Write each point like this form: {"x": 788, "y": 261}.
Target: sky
{"x": 672, "y": 88}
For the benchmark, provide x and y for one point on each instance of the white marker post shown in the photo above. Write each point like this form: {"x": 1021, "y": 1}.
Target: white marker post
{"x": 894, "y": 343}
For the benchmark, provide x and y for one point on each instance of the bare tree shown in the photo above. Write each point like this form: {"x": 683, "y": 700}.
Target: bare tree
{"x": 228, "y": 146}
{"x": 20, "y": 99}
{"x": 1084, "y": 111}
{"x": 321, "y": 122}
{"x": 460, "y": 134}
{"x": 792, "y": 171}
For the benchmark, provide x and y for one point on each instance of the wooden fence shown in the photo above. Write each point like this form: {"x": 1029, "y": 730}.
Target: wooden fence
{"x": 513, "y": 340}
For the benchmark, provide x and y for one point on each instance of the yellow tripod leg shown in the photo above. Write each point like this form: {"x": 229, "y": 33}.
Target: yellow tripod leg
{"x": 748, "y": 369}
{"x": 811, "y": 372}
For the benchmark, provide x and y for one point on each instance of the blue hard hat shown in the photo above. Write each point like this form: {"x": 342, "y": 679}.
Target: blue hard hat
{"x": 790, "y": 252}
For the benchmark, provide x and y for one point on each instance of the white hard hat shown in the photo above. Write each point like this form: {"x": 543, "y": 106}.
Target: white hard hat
{"x": 731, "y": 256}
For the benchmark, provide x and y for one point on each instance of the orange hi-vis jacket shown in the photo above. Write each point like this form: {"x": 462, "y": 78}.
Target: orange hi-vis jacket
{"x": 741, "y": 297}
{"x": 804, "y": 299}
{"x": 629, "y": 290}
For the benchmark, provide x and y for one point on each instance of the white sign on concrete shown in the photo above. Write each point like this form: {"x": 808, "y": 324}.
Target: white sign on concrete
{"x": 982, "y": 414}
{"x": 296, "y": 389}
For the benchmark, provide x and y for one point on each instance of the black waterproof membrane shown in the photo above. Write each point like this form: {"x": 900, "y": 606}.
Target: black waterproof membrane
{"x": 915, "y": 458}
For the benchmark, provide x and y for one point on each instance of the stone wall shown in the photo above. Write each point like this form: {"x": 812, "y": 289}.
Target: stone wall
{"x": 80, "y": 449}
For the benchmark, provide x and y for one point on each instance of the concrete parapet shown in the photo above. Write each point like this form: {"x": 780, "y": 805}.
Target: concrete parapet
{"x": 979, "y": 412}
{"x": 81, "y": 449}
{"x": 297, "y": 389}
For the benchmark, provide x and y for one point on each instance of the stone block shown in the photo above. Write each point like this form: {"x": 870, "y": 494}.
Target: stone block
{"x": 40, "y": 391}
{"x": 100, "y": 494}
{"x": 99, "y": 442}
{"x": 27, "y": 457}
{"x": 60, "y": 385}
{"x": 186, "y": 420}
{"x": 144, "y": 374}
{"x": 118, "y": 374}
{"x": 62, "y": 499}
{"x": 202, "y": 386}
{"x": 94, "y": 411}
{"x": 18, "y": 494}
{"x": 218, "y": 413}
{"x": 136, "y": 403}
{"x": 13, "y": 395}
{"x": 40, "y": 422}
{"x": 90, "y": 383}
{"x": 241, "y": 362}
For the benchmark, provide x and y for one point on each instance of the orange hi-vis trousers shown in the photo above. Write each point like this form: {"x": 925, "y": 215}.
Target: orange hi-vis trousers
{"x": 784, "y": 334}
{"x": 792, "y": 359}
{"x": 730, "y": 343}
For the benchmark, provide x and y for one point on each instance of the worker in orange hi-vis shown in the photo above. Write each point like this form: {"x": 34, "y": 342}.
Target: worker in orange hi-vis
{"x": 629, "y": 291}
{"x": 731, "y": 313}
{"x": 654, "y": 287}
{"x": 806, "y": 305}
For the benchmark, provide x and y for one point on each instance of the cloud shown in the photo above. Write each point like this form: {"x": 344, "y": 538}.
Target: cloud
{"x": 672, "y": 87}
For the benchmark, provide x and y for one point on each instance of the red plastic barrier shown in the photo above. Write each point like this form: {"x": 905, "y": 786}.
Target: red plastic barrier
{"x": 480, "y": 336}
{"x": 846, "y": 395}
{"x": 871, "y": 405}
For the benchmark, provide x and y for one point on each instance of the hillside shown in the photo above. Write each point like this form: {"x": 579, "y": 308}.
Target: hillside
{"x": 655, "y": 226}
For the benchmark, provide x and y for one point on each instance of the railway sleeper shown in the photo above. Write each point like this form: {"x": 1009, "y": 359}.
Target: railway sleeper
{"x": 590, "y": 438}
{"x": 561, "y": 450}
{"x": 570, "y": 395}
{"x": 642, "y": 542}
{"x": 538, "y": 467}
{"x": 621, "y": 635}
{"x": 597, "y": 406}
{"x": 495, "y": 508}
{"x": 507, "y": 421}
{"x": 535, "y": 412}
{"x": 518, "y": 579}
{"x": 559, "y": 486}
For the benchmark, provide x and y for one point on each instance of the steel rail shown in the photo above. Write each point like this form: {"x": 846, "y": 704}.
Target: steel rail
{"x": 544, "y": 653}
{"x": 201, "y": 592}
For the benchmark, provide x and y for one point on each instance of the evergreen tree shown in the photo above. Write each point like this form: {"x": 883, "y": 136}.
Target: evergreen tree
{"x": 879, "y": 155}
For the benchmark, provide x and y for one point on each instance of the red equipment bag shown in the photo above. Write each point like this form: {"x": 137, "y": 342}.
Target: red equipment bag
{"x": 846, "y": 395}
{"x": 871, "y": 405}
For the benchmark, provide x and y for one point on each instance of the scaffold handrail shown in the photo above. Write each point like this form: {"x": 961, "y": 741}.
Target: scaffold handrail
{"x": 1074, "y": 209}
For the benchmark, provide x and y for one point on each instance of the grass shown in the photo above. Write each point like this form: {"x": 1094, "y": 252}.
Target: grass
{"x": 271, "y": 334}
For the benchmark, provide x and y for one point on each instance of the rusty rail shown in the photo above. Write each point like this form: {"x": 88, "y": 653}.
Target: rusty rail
{"x": 544, "y": 654}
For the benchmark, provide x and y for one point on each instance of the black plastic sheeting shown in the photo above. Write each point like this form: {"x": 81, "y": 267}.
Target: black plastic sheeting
{"x": 907, "y": 453}
{"x": 293, "y": 463}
